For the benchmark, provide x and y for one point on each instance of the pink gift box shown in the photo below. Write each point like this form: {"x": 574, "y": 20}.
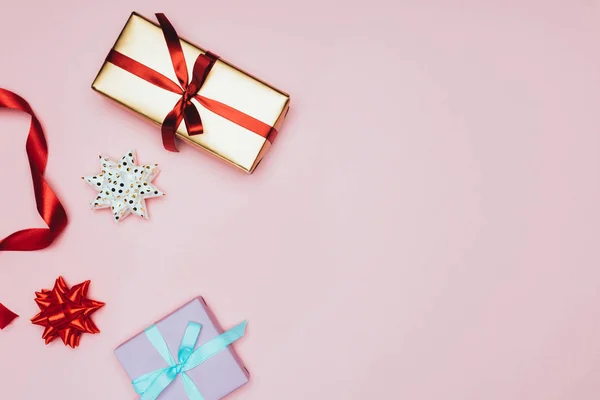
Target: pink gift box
{"x": 215, "y": 378}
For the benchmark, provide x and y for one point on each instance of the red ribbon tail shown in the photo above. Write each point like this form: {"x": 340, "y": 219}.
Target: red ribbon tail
{"x": 28, "y": 240}
{"x": 6, "y": 316}
{"x": 169, "y": 128}
{"x": 175, "y": 50}
{"x": 192, "y": 119}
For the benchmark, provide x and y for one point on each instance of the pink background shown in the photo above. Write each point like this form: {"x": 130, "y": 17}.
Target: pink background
{"x": 425, "y": 227}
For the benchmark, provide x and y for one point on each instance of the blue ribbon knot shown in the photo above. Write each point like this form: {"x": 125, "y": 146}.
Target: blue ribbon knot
{"x": 149, "y": 386}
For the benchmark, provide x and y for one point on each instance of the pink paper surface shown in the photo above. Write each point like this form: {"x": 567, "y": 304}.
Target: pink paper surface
{"x": 425, "y": 227}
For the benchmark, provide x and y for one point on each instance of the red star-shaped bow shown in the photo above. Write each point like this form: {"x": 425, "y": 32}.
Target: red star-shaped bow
{"x": 65, "y": 312}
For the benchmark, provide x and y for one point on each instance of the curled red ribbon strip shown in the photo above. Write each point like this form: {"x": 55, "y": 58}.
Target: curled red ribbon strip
{"x": 184, "y": 109}
{"x": 6, "y": 316}
{"x": 65, "y": 312}
{"x": 47, "y": 202}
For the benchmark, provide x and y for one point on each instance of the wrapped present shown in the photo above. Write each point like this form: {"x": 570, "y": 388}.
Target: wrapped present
{"x": 193, "y": 94}
{"x": 186, "y": 355}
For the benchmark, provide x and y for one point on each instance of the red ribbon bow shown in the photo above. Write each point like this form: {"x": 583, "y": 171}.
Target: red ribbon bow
{"x": 65, "y": 312}
{"x": 184, "y": 109}
{"x": 47, "y": 202}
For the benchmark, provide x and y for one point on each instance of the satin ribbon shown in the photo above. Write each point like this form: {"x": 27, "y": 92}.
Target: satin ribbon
{"x": 47, "y": 202}
{"x": 152, "y": 384}
{"x": 184, "y": 109}
{"x": 6, "y": 316}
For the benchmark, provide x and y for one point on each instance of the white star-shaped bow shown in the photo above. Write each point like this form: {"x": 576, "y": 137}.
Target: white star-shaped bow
{"x": 124, "y": 186}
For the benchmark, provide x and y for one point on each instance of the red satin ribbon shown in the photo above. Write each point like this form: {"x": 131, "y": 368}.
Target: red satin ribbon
{"x": 48, "y": 204}
{"x": 184, "y": 109}
{"x": 6, "y": 316}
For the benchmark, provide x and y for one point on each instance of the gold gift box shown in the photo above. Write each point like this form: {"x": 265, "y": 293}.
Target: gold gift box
{"x": 143, "y": 41}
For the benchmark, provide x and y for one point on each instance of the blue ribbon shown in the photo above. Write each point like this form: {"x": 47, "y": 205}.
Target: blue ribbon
{"x": 152, "y": 384}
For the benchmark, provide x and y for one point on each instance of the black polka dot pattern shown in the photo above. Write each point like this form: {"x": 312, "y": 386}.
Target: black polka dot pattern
{"x": 130, "y": 186}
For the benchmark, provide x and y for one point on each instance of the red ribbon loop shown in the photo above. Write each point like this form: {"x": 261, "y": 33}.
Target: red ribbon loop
{"x": 47, "y": 202}
{"x": 184, "y": 110}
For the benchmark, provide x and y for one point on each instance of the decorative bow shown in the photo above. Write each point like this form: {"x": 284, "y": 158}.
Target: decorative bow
{"x": 152, "y": 384}
{"x": 66, "y": 312}
{"x": 47, "y": 202}
{"x": 184, "y": 109}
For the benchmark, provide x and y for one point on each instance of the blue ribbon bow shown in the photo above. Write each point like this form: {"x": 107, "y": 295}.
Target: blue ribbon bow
{"x": 152, "y": 384}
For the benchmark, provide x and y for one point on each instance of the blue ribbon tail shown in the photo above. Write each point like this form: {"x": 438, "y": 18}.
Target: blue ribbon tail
{"x": 158, "y": 341}
{"x": 215, "y": 345}
{"x": 142, "y": 383}
{"x": 190, "y": 387}
{"x": 151, "y": 385}
{"x": 158, "y": 385}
